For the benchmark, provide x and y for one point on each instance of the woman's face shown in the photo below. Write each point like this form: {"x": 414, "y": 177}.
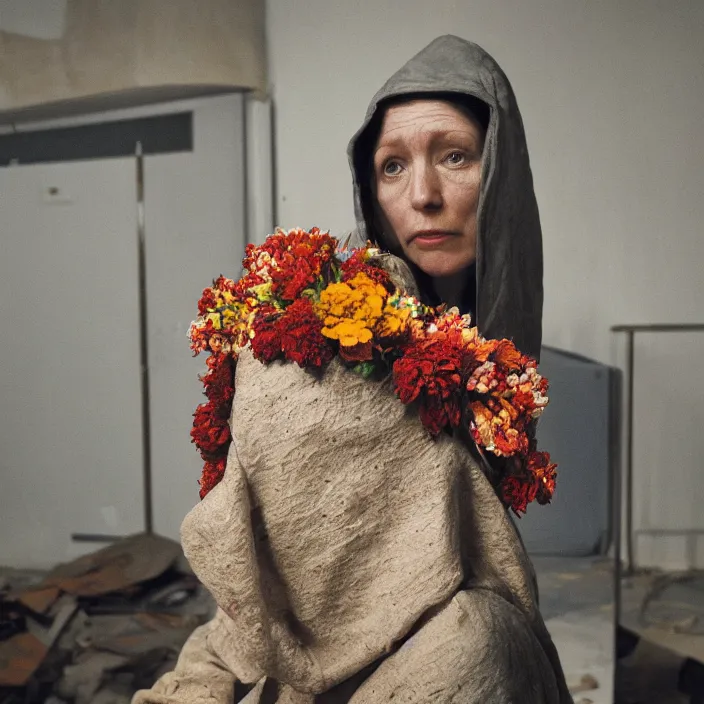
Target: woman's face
{"x": 427, "y": 171}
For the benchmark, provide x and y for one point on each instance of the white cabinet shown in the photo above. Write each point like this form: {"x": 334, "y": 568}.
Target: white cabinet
{"x": 70, "y": 396}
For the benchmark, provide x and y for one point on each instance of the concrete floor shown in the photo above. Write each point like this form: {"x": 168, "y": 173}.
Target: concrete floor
{"x": 576, "y": 600}
{"x": 665, "y": 611}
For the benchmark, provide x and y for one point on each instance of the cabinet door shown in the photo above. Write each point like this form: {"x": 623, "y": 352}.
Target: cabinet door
{"x": 70, "y": 408}
{"x": 195, "y": 231}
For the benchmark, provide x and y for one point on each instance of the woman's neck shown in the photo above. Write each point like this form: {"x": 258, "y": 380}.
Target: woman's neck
{"x": 458, "y": 290}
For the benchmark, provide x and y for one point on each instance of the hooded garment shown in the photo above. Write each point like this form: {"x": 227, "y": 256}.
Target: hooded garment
{"x": 509, "y": 265}
{"x": 354, "y": 558}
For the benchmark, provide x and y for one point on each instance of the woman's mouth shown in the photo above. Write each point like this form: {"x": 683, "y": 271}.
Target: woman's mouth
{"x": 430, "y": 238}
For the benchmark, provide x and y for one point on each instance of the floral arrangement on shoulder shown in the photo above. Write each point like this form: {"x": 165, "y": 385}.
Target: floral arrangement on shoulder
{"x": 304, "y": 300}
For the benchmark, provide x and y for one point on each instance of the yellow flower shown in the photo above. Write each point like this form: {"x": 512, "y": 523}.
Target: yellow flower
{"x": 235, "y": 315}
{"x": 351, "y": 310}
{"x": 263, "y": 292}
{"x": 237, "y": 321}
{"x": 394, "y": 321}
{"x": 214, "y": 318}
{"x": 224, "y": 298}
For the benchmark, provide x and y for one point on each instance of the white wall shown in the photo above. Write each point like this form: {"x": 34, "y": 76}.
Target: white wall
{"x": 612, "y": 95}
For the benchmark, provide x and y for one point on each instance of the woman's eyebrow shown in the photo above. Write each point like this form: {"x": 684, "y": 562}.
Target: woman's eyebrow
{"x": 434, "y": 136}
{"x": 390, "y": 143}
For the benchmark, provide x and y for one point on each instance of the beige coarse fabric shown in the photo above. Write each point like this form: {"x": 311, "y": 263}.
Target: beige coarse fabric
{"x": 342, "y": 535}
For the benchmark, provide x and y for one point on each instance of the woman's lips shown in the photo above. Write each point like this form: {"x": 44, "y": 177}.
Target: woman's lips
{"x": 430, "y": 238}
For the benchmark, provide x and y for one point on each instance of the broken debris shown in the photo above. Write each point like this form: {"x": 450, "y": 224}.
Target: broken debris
{"x": 95, "y": 630}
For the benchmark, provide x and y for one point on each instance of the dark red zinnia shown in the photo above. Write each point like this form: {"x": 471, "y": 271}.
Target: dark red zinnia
{"x": 301, "y": 337}
{"x": 356, "y": 265}
{"x": 219, "y": 382}
{"x": 213, "y": 472}
{"x": 266, "y": 343}
{"x": 430, "y": 371}
{"x": 518, "y": 492}
{"x": 210, "y": 430}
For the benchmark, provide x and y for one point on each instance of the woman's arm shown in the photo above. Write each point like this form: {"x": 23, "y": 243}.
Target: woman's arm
{"x": 200, "y": 676}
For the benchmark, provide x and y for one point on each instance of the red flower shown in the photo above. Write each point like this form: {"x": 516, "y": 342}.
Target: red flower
{"x": 507, "y": 355}
{"x": 247, "y": 282}
{"x": 213, "y": 473}
{"x": 430, "y": 372}
{"x": 361, "y": 352}
{"x": 290, "y": 282}
{"x": 435, "y": 416}
{"x": 510, "y": 442}
{"x": 200, "y": 337}
{"x": 292, "y": 260}
{"x": 523, "y": 402}
{"x": 219, "y": 382}
{"x": 533, "y": 479}
{"x": 356, "y": 265}
{"x": 517, "y": 493}
{"x": 266, "y": 343}
{"x": 210, "y": 429}
{"x": 301, "y": 337}
{"x": 544, "y": 474}
{"x": 208, "y": 300}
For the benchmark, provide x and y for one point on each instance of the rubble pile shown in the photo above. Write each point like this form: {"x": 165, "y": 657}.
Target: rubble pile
{"x": 95, "y": 630}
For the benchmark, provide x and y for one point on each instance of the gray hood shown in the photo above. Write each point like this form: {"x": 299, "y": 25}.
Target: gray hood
{"x": 509, "y": 267}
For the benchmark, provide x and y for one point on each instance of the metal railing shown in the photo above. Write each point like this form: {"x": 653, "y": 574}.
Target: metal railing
{"x": 625, "y": 483}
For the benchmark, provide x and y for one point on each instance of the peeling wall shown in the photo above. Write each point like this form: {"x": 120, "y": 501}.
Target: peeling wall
{"x": 128, "y": 46}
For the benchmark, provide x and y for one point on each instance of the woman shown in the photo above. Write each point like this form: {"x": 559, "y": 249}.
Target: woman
{"x": 352, "y": 557}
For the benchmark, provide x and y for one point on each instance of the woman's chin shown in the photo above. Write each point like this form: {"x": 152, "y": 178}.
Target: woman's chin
{"x": 441, "y": 265}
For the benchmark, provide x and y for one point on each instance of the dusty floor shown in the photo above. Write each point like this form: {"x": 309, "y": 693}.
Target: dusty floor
{"x": 576, "y": 599}
{"x": 666, "y": 611}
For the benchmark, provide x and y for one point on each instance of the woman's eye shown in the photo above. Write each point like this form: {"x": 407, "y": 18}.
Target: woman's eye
{"x": 391, "y": 168}
{"x": 456, "y": 158}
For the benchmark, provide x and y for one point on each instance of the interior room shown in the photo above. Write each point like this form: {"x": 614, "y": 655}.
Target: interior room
{"x": 145, "y": 145}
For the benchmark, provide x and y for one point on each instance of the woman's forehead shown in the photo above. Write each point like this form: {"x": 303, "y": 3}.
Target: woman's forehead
{"x": 425, "y": 118}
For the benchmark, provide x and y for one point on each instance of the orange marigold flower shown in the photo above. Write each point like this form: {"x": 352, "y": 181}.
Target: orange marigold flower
{"x": 394, "y": 322}
{"x": 350, "y": 311}
{"x": 497, "y": 427}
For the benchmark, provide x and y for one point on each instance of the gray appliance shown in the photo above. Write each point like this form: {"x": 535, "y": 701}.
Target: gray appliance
{"x": 580, "y": 429}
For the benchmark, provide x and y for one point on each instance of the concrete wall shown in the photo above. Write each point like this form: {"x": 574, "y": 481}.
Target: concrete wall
{"x": 612, "y": 95}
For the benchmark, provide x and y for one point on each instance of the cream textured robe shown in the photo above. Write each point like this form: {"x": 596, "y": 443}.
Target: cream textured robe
{"x": 339, "y": 529}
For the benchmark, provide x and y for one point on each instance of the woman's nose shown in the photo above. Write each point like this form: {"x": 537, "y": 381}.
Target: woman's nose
{"x": 426, "y": 191}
